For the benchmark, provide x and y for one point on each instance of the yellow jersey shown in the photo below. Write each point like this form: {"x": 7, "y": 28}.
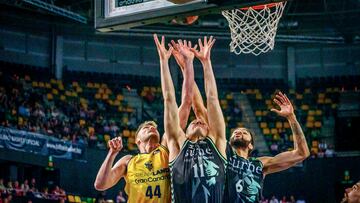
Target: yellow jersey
{"x": 148, "y": 177}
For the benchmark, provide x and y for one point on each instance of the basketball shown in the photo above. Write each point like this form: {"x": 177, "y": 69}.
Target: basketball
{"x": 185, "y": 20}
{"x": 180, "y": 1}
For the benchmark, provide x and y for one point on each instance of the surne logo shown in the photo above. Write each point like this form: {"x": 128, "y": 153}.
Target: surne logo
{"x": 192, "y": 151}
{"x": 243, "y": 165}
{"x": 149, "y": 165}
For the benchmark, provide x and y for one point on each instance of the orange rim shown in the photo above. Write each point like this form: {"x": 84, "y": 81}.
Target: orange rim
{"x": 260, "y": 7}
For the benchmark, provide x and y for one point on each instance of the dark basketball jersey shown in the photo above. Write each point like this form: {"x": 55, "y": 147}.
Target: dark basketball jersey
{"x": 198, "y": 173}
{"x": 244, "y": 178}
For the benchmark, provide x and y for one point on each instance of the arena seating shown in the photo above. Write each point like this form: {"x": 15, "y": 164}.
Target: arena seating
{"x": 91, "y": 108}
{"x": 311, "y": 107}
{"x": 78, "y": 111}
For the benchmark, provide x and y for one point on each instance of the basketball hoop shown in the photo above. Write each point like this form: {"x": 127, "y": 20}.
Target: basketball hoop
{"x": 253, "y": 29}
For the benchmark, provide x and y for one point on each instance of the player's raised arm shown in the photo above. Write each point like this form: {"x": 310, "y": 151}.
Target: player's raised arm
{"x": 171, "y": 117}
{"x": 185, "y": 58}
{"x": 197, "y": 101}
{"x": 214, "y": 112}
{"x": 198, "y": 105}
{"x": 108, "y": 174}
{"x": 300, "y": 152}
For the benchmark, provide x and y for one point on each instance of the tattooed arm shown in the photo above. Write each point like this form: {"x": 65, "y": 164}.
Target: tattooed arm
{"x": 300, "y": 152}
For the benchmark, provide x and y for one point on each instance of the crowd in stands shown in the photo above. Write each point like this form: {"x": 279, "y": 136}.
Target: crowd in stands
{"x": 312, "y": 109}
{"x": 29, "y": 191}
{"x": 316, "y": 101}
{"x": 284, "y": 199}
{"x": 84, "y": 109}
{"x": 81, "y": 113}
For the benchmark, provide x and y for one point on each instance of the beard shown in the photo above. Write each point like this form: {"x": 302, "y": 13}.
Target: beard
{"x": 239, "y": 143}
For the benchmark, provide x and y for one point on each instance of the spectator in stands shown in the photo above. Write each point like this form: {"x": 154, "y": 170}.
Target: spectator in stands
{"x": 25, "y": 186}
{"x": 301, "y": 200}
{"x": 3, "y": 97}
{"x": 264, "y": 200}
{"x": 62, "y": 194}
{"x": 17, "y": 189}
{"x": 9, "y": 187}
{"x": 292, "y": 199}
{"x": 150, "y": 96}
{"x": 24, "y": 110}
{"x": 329, "y": 152}
{"x": 92, "y": 139}
{"x": 274, "y": 148}
{"x": 114, "y": 129}
{"x": 120, "y": 197}
{"x": 8, "y": 198}
{"x": 237, "y": 111}
{"x": 56, "y": 190}
{"x": 132, "y": 120}
{"x": 33, "y": 184}
{"x": 45, "y": 193}
{"x": 25, "y": 106}
{"x": 106, "y": 128}
{"x": 101, "y": 197}
{"x": 352, "y": 195}
{"x": 2, "y": 186}
{"x": 59, "y": 194}
{"x": 283, "y": 200}
{"x": 274, "y": 199}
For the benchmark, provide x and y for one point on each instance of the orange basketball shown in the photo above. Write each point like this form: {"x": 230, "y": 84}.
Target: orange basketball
{"x": 186, "y": 20}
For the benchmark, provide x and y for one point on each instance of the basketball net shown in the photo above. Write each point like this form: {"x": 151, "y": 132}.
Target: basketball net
{"x": 253, "y": 29}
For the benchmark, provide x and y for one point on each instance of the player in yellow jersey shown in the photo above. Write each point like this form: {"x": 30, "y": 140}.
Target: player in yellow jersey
{"x": 147, "y": 174}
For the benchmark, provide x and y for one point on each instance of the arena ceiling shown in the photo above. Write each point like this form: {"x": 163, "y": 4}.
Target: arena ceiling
{"x": 301, "y": 17}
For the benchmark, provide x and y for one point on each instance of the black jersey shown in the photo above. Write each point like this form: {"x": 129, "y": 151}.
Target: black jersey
{"x": 198, "y": 173}
{"x": 244, "y": 178}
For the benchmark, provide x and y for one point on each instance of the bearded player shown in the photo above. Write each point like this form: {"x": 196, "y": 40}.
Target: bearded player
{"x": 245, "y": 174}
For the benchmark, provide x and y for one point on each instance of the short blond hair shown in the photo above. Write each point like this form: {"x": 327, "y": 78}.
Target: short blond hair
{"x": 152, "y": 123}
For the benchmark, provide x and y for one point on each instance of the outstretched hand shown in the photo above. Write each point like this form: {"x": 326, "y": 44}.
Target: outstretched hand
{"x": 205, "y": 48}
{"x": 164, "y": 53}
{"x": 182, "y": 52}
{"x": 286, "y": 108}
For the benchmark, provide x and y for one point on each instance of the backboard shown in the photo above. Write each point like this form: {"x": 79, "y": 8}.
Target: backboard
{"x": 111, "y": 15}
